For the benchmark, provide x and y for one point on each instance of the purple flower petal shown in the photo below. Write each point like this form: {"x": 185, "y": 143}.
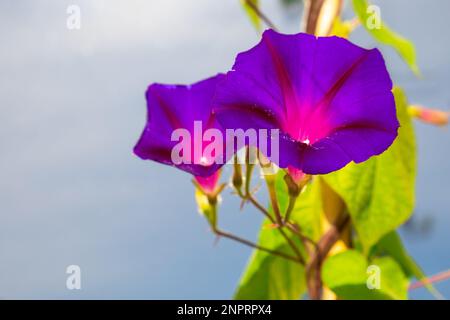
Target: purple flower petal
{"x": 171, "y": 107}
{"x": 331, "y": 99}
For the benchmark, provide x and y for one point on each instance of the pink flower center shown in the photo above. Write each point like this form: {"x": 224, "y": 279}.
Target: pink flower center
{"x": 208, "y": 184}
{"x": 307, "y": 125}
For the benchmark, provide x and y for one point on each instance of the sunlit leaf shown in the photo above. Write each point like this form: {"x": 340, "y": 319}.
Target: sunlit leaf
{"x": 385, "y": 35}
{"x": 346, "y": 274}
{"x": 379, "y": 193}
{"x": 392, "y": 245}
{"x": 343, "y": 28}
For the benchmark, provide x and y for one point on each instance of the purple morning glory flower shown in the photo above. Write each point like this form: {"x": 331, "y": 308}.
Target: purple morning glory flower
{"x": 330, "y": 99}
{"x": 186, "y": 108}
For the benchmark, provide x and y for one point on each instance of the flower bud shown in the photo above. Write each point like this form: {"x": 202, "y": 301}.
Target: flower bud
{"x": 208, "y": 185}
{"x": 207, "y": 196}
{"x": 293, "y": 188}
{"x": 237, "y": 176}
{"x": 295, "y": 181}
{"x": 207, "y": 206}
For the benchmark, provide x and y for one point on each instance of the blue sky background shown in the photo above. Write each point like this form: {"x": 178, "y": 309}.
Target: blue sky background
{"x": 72, "y": 106}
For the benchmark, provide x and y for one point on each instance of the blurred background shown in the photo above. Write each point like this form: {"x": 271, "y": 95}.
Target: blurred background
{"x": 72, "y": 107}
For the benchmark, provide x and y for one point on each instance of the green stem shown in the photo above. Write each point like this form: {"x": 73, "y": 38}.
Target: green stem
{"x": 270, "y": 180}
{"x": 248, "y": 171}
{"x": 283, "y": 234}
{"x": 290, "y": 208}
{"x": 260, "y": 14}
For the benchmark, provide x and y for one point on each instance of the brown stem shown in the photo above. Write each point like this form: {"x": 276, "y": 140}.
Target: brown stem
{"x": 312, "y": 11}
{"x": 430, "y": 280}
{"x": 248, "y": 196}
{"x": 315, "y": 263}
{"x": 255, "y": 246}
{"x": 294, "y": 228}
{"x": 272, "y": 220}
{"x": 260, "y": 14}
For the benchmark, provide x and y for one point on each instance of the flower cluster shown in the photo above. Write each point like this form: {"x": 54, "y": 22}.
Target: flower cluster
{"x": 329, "y": 101}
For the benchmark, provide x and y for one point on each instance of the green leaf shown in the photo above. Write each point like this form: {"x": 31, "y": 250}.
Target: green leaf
{"x": 347, "y": 275}
{"x": 379, "y": 193}
{"x": 254, "y": 18}
{"x": 272, "y": 277}
{"x": 386, "y": 36}
{"x": 392, "y": 245}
